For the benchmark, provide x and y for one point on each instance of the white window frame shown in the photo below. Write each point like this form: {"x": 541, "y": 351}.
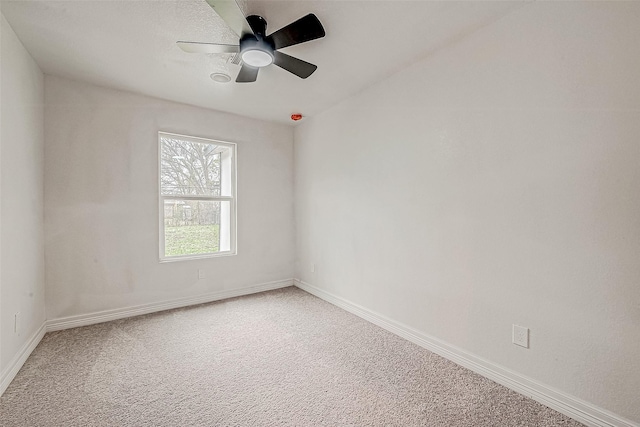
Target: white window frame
{"x": 231, "y": 199}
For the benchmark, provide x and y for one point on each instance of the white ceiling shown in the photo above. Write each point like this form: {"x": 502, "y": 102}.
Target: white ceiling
{"x": 130, "y": 45}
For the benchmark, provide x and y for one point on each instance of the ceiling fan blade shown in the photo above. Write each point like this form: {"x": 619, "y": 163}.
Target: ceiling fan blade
{"x": 198, "y": 47}
{"x": 231, "y": 13}
{"x": 247, "y": 74}
{"x": 303, "y": 30}
{"x": 300, "y": 68}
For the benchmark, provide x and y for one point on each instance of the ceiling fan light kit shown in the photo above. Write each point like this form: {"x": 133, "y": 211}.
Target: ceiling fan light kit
{"x": 256, "y": 49}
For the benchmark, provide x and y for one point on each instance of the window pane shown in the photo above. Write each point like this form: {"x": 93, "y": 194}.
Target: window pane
{"x": 196, "y": 227}
{"x": 190, "y": 168}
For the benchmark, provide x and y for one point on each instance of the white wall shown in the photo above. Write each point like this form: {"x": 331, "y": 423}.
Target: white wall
{"x": 495, "y": 182}
{"x": 2, "y": 24}
{"x": 21, "y": 164}
{"x": 101, "y": 200}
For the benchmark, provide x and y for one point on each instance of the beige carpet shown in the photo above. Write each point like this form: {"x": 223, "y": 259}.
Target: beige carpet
{"x": 280, "y": 358}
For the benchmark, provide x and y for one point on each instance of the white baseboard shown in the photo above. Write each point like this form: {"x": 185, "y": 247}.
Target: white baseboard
{"x": 104, "y": 316}
{"x": 121, "y": 313}
{"x": 14, "y": 366}
{"x": 564, "y": 403}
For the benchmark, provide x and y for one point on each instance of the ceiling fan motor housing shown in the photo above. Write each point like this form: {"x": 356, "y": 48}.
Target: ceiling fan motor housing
{"x": 255, "y": 49}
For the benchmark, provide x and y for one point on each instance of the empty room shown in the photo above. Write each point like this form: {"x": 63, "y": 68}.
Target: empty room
{"x": 319, "y": 213}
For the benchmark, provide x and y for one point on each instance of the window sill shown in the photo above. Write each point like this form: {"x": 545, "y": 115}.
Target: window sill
{"x": 196, "y": 257}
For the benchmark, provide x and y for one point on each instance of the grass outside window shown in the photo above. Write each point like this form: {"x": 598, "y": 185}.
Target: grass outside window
{"x": 191, "y": 239}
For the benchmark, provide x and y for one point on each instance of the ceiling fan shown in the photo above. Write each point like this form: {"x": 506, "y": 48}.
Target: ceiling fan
{"x": 256, "y": 49}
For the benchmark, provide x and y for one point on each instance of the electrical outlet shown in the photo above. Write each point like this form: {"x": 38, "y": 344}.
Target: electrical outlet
{"x": 313, "y": 268}
{"x": 200, "y": 274}
{"x": 520, "y": 336}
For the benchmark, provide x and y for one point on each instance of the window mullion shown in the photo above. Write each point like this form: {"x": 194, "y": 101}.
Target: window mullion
{"x": 183, "y": 197}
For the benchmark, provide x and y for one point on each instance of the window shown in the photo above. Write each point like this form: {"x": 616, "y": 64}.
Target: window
{"x": 197, "y": 197}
